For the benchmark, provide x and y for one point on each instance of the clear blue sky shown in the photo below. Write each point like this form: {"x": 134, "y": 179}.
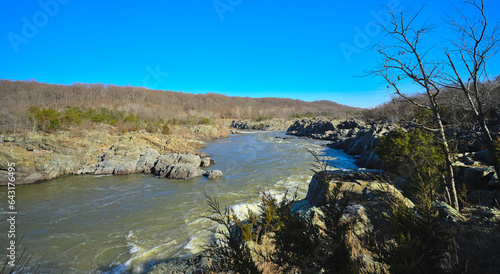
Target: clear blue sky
{"x": 256, "y": 48}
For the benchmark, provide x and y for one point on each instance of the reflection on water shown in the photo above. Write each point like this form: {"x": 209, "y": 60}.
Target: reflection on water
{"x": 117, "y": 223}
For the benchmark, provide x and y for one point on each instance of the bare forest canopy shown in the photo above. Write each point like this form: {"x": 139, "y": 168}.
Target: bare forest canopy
{"x": 16, "y": 97}
{"x": 453, "y": 106}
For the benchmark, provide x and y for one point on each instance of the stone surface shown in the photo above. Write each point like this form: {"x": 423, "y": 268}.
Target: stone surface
{"x": 493, "y": 183}
{"x": 363, "y": 184}
{"x": 178, "y": 166}
{"x": 484, "y": 197}
{"x": 9, "y": 139}
{"x": 483, "y": 214}
{"x": 362, "y": 141}
{"x": 180, "y": 171}
{"x": 213, "y": 174}
{"x": 147, "y": 161}
{"x": 448, "y": 212}
{"x": 42, "y": 157}
{"x": 355, "y": 137}
{"x": 483, "y": 156}
{"x": 474, "y": 177}
{"x": 194, "y": 264}
{"x": 313, "y": 128}
{"x": 492, "y": 215}
{"x": 206, "y": 162}
{"x": 273, "y": 124}
{"x": 367, "y": 192}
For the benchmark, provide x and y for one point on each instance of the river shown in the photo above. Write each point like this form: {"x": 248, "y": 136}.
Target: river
{"x": 88, "y": 224}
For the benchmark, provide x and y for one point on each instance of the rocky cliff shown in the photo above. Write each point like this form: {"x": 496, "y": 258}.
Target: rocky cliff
{"x": 353, "y": 136}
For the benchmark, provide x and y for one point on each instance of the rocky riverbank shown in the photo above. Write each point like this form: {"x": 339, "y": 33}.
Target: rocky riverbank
{"x": 355, "y": 137}
{"x": 274, "y": 124}
{"x": 368, "y": 194}
{"x": 360, "y": 139}
{"x": 42, "y": 156}
{"x": 369, "y": 188}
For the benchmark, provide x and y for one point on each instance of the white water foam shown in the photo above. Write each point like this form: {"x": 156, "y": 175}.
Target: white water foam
{"x": 140, "y": 255}
{"x": 241, "y": 210}
{"x": 278, "y": 190}
{"x": 195, "y": 244}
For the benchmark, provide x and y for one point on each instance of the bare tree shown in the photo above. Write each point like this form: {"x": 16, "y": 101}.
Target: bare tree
{"x": 404, "y": 61}
{"x": 478, "y": 42}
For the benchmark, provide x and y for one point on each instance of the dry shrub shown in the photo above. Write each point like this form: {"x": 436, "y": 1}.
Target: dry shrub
{"x": 475, "y": 250}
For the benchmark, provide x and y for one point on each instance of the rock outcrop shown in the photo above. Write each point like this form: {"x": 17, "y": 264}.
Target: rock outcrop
{"x": 368, "y": 195}
{"x": 360, "y": 139}
{"x": 353, "y": 136}
{"x": 367, "y": 192}
{"x": 43, "y": 157}
{"x": 314, "y": 128}
{"x": 197, "y": 263}
{"x": 213, "y": 174}
{"x": 361, "y": 183}
{"x": 179, "y": 166}
{"x": 273, "y": 124}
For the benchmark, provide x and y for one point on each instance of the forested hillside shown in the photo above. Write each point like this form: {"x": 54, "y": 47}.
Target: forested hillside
{"x": 16, "y": 98}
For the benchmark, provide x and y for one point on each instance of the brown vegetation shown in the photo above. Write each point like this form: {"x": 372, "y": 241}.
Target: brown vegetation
{"x": 16, "y": 97}
{"x": 454, "y": 108}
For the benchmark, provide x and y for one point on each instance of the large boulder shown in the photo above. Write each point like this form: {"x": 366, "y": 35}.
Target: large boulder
{"x": 484, "y": 197}
{"x": 448, "y": 212}
{"x": 173, "y": 159}
{"x": 483, "y": 156}
{"x": 183, "y": 166}
{"x": 366, "y": 192}
{"x": 483, "y": 214}
{"x": 273, "y": 124}
{"x": 313, "y": 128}
{"x": 474, "y": 177}
{"x": 206, "y": 162}
{"x": 147, "y": 161}
{"x": 363, "y": 142}
{"x": 213, "y": 174}
{"x": 245, "y": 125}
{"x": 118, "y": 159}
{"x": 193, "y": 264}
{"x": 363, "y": 184}
{"x": 180, "y": 171}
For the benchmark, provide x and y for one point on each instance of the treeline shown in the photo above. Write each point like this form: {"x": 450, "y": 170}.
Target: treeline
{"x": 16, "y": 97}
{"x": 454, "y": 108}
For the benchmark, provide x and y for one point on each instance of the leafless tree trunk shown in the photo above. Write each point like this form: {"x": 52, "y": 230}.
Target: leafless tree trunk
{"x": 404, "y": 61}
{"x": 476, "y": 45}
